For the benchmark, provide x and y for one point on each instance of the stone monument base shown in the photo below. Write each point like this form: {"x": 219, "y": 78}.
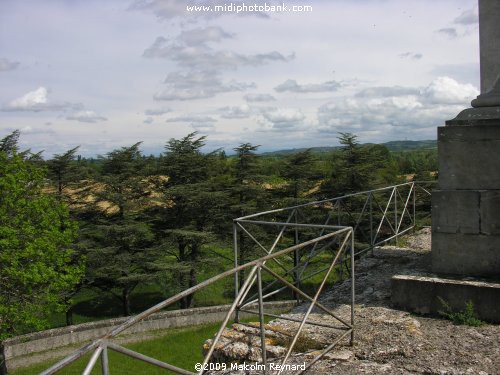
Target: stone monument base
{"x": 423, "y": 294}
{"x": 466, "y": 207}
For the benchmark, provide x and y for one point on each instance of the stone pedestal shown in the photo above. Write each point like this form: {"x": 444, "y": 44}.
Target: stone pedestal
{"x": 466, "y": 207}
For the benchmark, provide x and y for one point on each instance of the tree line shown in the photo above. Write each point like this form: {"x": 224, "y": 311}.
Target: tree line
{"x": 124, "y": 219}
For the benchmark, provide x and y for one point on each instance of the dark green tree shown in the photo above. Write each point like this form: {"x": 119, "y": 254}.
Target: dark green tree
{"x": 299, "y": 172}
{"x": 120, "y": 243}
{"x": 357, "y": 167}
{"x": 192, "y": 204}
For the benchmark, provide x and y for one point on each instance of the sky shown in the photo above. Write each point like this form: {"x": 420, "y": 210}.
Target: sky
{"x": 107, "y": 74}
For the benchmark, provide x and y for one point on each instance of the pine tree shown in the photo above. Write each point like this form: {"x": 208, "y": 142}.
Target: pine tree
{"x": 122, "y": 244}
{"x": 191, "y": 207}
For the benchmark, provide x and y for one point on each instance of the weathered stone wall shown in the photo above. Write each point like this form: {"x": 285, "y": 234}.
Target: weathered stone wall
{"x": 466, "y": 208}
{"x": 79, "y": 334}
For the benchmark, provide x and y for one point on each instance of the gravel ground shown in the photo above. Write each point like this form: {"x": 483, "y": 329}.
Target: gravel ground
{"x": 389, "y": 341}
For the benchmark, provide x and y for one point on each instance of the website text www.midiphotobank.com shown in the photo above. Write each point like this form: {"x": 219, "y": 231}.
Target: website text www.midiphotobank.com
{"x": 249, "y": 7}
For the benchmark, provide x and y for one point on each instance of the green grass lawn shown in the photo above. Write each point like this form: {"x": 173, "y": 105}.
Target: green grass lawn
{"x": 181, "y": 347}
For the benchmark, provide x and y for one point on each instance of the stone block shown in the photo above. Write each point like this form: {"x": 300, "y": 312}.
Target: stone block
{"x": 421, "y": 294}
{"x": 490, "y": 212}
{"x": 466, "y": 254}
{"x": 455, "y": 211}
{"x": 469, "y": 157}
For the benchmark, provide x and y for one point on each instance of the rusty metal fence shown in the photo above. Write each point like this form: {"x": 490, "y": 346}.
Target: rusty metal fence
{"x": 313, "y": 241}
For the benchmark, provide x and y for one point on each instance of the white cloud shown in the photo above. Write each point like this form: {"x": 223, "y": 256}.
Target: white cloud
{"x": 199, "y": 123}
{"x": 148, "y": 120}
{"x": 36, "y": 101}
{"x": 173, "y": 9}
{"x": 411, "y": 55}
{"x": 157, "y": 111}
{"x": 204, "y": 128}
{"x": 255, "y": 98}
{"x": 396, "y": 110}
{"x": 201, "y": 55}
{"x": 197, "y": 85}
{"x": 192, "y": 118}
{"x": 383, "y": 91}
{"x": 86, "y": 116}
{"x": 6, "y": 65}
{"x": 292, "y": 86}
{"x": 282, "y": 119}
{"x": 449, "y": 32}
{"x": 445, "y": 90}
{"x": 204, "y": 35}
{"x": 467, "y": 17}
{"x": 242, "y": 111}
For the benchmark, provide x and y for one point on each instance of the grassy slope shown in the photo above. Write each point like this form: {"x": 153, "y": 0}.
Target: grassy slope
{"x": 181, "y": 347}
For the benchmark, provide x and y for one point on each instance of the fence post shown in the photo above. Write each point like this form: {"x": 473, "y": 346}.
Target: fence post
{"x": 236, "y": 276}
{"x": 261, "y": 320}
{"x": 104, "y": 361}
{"x": 370, "y": 197}
{"x": 296, "y": 258}
{"x": 353, "y": 293}
{"x": 414, "y": 208}
{"x": 396, "y": 214}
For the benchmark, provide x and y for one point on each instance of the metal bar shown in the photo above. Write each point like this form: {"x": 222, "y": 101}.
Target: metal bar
{"x": 260, "y": 245}
{"x": 307, "y": 297}
{"x": 71, "y": 358}
{"x": 270, "y": 251}
{"x": 246, "y": 285}
{"x": 281, "y": 232}
{"x": 353, "y": 290}
{"x": 414, "y": 206}
{"x": 104, "y": 360}
{"x": 280, "y": 223}
{"x": 145, "y": 358}
{"x": 92, "y": 361}
{"x": 295, "y": 320}
{"x": 261, "y": 320}
{"x": 384, "y": 215}
{"x": 296, "y": 257}
{"x": 405, "y": 208}
{"x": 282, "y": 288}
{"x": 326, "y": 350}
{"x": 306, "y": 262}
{"x": 318, "y": 202}
{"x": 216, "y": 278}
{"x": 236, "y": 274}
{"x": 313, "y": 302}
{"x": 396, "y": 213}
{"x": 371, "y": 222}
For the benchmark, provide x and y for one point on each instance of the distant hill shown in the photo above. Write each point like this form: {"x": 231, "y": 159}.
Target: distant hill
{"x": 392, "y": 146}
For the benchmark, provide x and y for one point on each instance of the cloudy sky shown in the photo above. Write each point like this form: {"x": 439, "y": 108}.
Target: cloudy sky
{"x": 106, "y": 74}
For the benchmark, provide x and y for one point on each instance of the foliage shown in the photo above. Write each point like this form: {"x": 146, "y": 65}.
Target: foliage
{"x": 36, "y": 259}
{"x": 191, "y": 204}
{"x": 160, "y": 221}
{"x": 119, "y": 244}
{"x": 298, "y": 171}
{"x": 465, "y": 317}
{"x": 357, "y": 168}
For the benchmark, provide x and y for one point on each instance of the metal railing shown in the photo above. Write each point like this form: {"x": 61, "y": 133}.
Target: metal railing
{"x": 344, "y": 235}
{"x": 374, "y": 217}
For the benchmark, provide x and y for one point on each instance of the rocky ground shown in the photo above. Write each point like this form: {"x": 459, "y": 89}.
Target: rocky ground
{"x": 387, "y": 341}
